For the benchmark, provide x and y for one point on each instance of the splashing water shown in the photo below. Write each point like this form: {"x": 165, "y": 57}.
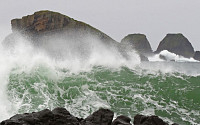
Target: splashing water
{"x": 170, "y": 57}
{"x": 32, "y": 80}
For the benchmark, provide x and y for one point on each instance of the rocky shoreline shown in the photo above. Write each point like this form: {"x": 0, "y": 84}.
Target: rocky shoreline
{"x": 60, "y": 116}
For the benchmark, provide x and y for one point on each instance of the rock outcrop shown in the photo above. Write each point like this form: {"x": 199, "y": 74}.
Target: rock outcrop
{"x": 60, "y": 116}
{"x": 49, "y": 22}
{"x": 178, "y": 44}
{"x": 138, "y": 42}
{"x": 197, "y": 55}
{"x": 148, "y": 120}
{"x": 58, "y": 34}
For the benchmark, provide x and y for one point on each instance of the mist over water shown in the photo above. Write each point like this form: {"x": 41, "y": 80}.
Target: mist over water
{"x": 170, "y": 57}
{"x": 85, "y": 75}
{"x": 21, "y": 56}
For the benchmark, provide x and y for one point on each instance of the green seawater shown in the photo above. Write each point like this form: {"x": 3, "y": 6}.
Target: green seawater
{"x": 173, "y": 96}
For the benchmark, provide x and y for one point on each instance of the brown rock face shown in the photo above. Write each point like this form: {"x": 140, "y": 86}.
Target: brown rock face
{"x": 48, "y": 23}
{"x": 43, "y": 21}
{"x": 58, "y": 34}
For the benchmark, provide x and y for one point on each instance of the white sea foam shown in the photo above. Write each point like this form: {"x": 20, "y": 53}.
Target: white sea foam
{"x": 172, "y": 64}
{"x": 169, "y": 56}
{"x": 22, "y": 56}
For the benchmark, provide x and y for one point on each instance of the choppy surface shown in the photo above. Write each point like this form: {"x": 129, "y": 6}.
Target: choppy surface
{"x": 31, "y": 81}
{"x": 174, "y": 97}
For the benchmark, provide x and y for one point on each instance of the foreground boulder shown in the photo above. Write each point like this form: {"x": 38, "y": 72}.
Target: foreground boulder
{"x": 197, "y": 55}
{"x": 148, "y": 120}
{"x": 178, "y": 44}
{"x": 139, "y": 43}
{"x": 100, "y": 117}
{"x": 60, "y": 116}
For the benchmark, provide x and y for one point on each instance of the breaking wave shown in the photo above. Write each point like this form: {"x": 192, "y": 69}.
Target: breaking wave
{"x": 32, "y": 80}
{"x": 169, "y": 56}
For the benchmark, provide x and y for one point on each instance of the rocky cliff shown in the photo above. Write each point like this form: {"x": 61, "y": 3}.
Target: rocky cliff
{"x": 58, "y": 34}
{"x": 178, "y": 44}
{"x": 49, "y": 22}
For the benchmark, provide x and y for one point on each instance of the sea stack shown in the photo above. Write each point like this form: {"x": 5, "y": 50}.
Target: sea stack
{"x": 139, "y": 43}
{"x": 178, "y": 44}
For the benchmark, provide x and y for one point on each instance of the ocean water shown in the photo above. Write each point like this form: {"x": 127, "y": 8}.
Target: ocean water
{"x": 31, "y": 80}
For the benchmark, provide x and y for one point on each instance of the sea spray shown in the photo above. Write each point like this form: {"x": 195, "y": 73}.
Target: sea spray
{"x": 168, "y": 56}
{"x": 33, "y": 79}
{"x": 20, "y": 58}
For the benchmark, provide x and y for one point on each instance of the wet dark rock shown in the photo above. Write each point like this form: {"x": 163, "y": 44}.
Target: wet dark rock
{"x": 122, "y": 120}
{"x": 10, "y": 122}
{"x": 63, "y": 117}
{"x": 197, "y": 55}
{"x": 178, "y": 44}
{"x": 100, "y": 117}
{"x": 60, "y": 111}
{"x": 60, "y": 116}
{"x": 148, "y": 120}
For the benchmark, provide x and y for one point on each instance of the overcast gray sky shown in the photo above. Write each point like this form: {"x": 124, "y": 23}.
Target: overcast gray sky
{"x": 117, "y": 18}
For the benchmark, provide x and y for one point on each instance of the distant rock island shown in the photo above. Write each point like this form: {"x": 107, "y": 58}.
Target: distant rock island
{"x": 178, "y": 44}
{"x": 138, "y": 42}
{"x": 47, "y": 28}
{"x": 175, "y": 43}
